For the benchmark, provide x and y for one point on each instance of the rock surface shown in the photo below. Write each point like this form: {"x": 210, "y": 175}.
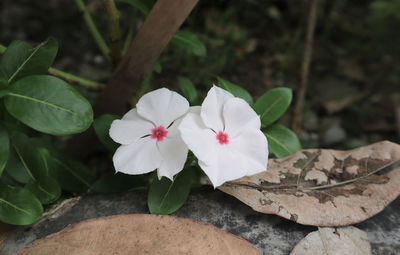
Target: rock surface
{"x": 269, "y": 233}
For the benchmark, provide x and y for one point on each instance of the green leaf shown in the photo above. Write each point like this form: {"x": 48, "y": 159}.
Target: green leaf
{"x": 188, "y": 89}
{"x": 102, "y": 126}
{"x": 144, "y": 6}
{"x": 18, "y": 206}
{"x": 157, "y": 67}
{"x": 16, "y": 170}
{"x": 70, "y": 174}
{"x": 29, "y": 156}
{"x": 236, "y": 90}
{"x": 118, "y": 182}
{"x": 190, "y": 42}
{"x": 50, "y": 105}
{"x": 272, "y": 104}
{"x": 20, "y": 60}
{"x": 282, "y": 141}
{"x": 165, "y": 196}
{"x": 4, "y": 147}
{"x": 46, "y": 189}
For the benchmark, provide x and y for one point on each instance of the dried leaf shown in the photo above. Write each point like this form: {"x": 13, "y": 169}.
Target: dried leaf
{"x": 324, "y": 187}
{"x": 140, "y": 234}
{"x": 334, "y": 241}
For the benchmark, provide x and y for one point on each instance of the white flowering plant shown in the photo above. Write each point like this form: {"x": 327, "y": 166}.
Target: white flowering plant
{"x": 225, "y": 138}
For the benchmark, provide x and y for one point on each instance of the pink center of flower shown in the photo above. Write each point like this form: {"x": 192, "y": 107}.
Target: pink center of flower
{"x": 222, "y": 138}
{"x": 159, "y": 133}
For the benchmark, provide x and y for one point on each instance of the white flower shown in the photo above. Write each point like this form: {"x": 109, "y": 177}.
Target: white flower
{"x": 225, "y": 137}
{"x": 149, "y": 135}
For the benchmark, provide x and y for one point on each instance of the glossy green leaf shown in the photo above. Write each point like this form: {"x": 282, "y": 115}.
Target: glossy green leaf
{"x": 21, "y": 60}
{"x": 16, "y": 170}
{"x": 272, "y": 104}
{"x": 190, "y": 42}
{"x": 18, "y": 206}
{"x": 165, "y": 196}
{"x": 50, "y": 105}
{"x": 4, "y": 147}
{"x": 29, "y": 156}
{"x": 46, "y": 189}
{"x": 188, "y": 90}
{"x": 144, "y": 6}
{"x": 118, "y": 182}
{"x": 236, "y": 90}
{"x": 282, "y": 141}
{"x": 102, "y": 127}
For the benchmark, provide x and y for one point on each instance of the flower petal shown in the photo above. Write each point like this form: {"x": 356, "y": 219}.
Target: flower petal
{"x": 174, "y": 153}
{"x": 211, "y": 109}
{"x": 140, "y": 157}
{"x": 199, "y": 139}
{"x": 173, "y": 129}
{"x": 238, "y": 115}
{"x": 252, "y": 146}
{"x": 162, "y": 106}
{"x": 225, "y": 165}
{"x": 130, "y": 128}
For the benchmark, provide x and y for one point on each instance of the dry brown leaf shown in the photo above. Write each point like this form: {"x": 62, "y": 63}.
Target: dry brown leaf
{"x": 334, "y": 241}
{"x": 140, "y": 234}
{"x": 324, "y": 187}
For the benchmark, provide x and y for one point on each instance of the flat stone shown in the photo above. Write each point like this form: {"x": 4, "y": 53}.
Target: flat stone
{"x": 269, "y": 233}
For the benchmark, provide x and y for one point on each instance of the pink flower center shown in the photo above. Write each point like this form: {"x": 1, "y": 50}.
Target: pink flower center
{"x": 159, "y": 133}
{"x": 222, "y": 138}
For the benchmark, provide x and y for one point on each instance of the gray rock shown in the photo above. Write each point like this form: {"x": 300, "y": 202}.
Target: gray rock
{"x": 270, "y": 233}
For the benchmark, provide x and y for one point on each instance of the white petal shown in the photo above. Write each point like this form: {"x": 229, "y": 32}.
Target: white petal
{"x": 211, "y": 109}
{"x": 162, "y": 106}
{"x": 139, "y": 157}
{"x": 252, "y": 146}
{"x": 130, "y": 128}
{"x": 238, "y": 115}
{"x": 225, "y": 165}
{"x": 173, "y": 129}
{"x": 174, "y": 153}
{"x": 199, "y": 139}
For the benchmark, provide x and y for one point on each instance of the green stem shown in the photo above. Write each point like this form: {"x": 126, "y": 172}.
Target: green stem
{"x": 68, "y": 77}
{"x": 76, "y": 79}
{"x": 93, "y": 29}
{"x": 114, "y": 31}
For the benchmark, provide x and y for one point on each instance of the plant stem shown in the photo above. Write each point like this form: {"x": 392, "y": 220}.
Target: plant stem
{"x": 76, "y": 79}
{"x": 93, "y": 29}
{"x": 68, "y": 77}
{"x": 305, "y": 68}
{"x": 114, "y": 31}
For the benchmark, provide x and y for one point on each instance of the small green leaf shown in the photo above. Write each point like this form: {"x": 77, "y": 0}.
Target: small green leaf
{"x": 165, "y": 196}
{"x": 272, "y": 104}
{"x": 190, "y": 42}
{"x": 282, "y": 141}
{"x": 50, "y": 105}
{"x": 188, "y": 90}
{"x": 18, "y": 206}
{"x": 144, "y": 6}
{"x": 4, "y": 147}
{"x": 236, "y": 90}
{"x": 102, "y": 126}
{"x": 118, "y": 182}
{"x": 20, "y": 60}
{"x": 157, "y": 67}
{"x": 46, "y": 189}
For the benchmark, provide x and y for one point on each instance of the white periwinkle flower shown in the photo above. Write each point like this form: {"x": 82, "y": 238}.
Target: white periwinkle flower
{"x": 149, "y": 136}
{"x": 225, "y": 137}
